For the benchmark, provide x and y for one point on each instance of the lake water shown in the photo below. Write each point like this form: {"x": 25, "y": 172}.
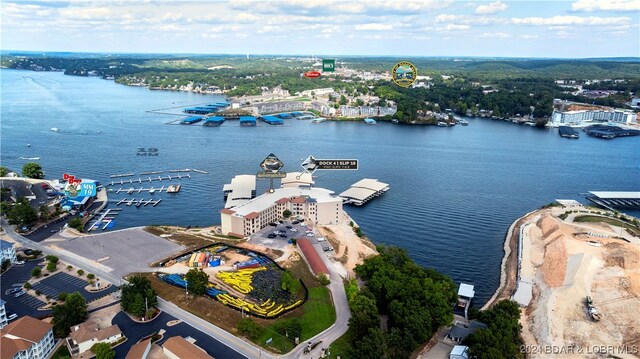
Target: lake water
{"x": 454, "y": 191}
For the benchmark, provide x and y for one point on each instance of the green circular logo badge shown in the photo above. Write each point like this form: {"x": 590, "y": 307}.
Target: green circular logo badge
{"x": 404, "y": 74}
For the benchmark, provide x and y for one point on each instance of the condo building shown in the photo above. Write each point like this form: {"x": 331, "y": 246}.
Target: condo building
{"x": 26, "y": 338}
{"x": 617, "y": 116}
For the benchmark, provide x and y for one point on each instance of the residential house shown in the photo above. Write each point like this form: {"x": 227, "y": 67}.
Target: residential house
{"x": 84, "y": 336}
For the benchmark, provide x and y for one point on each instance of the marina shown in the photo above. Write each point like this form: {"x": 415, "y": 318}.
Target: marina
{"x": 363, "y": 191}
{"x": 139, "y": 190}
{"x": 137, "y": 203}
{"x": 106, "y": 218}
{"x": 150, "y": 179}
{"x": 612, "y": 200}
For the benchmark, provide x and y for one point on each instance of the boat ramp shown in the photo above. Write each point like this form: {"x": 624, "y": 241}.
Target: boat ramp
{"x": 106, "y": 218}
{"x": 363, "y": 191}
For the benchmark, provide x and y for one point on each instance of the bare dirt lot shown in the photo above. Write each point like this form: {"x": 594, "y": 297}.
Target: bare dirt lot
{"x": 574, "y": 266}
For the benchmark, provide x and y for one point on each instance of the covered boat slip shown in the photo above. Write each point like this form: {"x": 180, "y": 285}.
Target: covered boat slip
{"x": 191, "y": 120}
{"x": 363, "y": 191}
{"x": 611, "y": 200}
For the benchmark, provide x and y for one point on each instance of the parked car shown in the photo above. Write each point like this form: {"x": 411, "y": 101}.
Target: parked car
{"x": 272, "y": 235}
{"x": 327, "y": 248}
{"x": 283, "y": 235}
{"x": 321, "y": 239}
{"x": 293, "y": 230}
{"x": 12, "y": 316}
{"x": 19, "y": 263}
{"x": 309, "y": 234}
{"x": 14, "y": 290}
{"x": 280, "y": 221}
{"x": 273, "y": 224}
{"x": 289, "y": 227}
{"x": 295, "y": 222}
{"x": 20, "y": 294}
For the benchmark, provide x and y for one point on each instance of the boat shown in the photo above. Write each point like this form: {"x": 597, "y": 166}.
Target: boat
{"x": 464, "y": 122}
{"x": 55, "y": 129}
{"x": 174, "y": 188}
{"x": 318, "y": 120}
{"x": 29, "y": 158}
{"x": 442, "y": 124}
{"x": 28, "y": 145}
{"x": 395, "y": 121}
{"x": 370, "y": 121}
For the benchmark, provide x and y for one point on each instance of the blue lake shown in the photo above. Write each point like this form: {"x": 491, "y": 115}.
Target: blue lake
{"x": 454, "y": 191}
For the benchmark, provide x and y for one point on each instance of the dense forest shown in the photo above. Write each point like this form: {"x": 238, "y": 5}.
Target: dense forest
{"x": 414, "y": 301}
{"x": 502, "y": 88}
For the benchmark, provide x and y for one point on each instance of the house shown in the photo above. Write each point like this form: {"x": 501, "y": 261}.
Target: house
{"x": 7, "y": 251}
{"x": 26, "y": 338}
{"x": 180, "y": 348}
{"x": 459, "y": 331}
{"x": 84, "y": 336}
{"x": 465, "y": 295}
{"x": 459, "y": 352}
{"x": 140, "y": 350}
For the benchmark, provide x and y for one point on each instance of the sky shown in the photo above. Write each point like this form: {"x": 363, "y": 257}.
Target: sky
{"x": 555, "y": 29}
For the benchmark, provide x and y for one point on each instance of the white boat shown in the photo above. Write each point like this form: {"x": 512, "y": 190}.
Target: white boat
{"x": 55, "y": 129}
{"x": 29, "y": 158}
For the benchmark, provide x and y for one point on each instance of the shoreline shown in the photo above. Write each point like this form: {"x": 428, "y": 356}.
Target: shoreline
{"x": 509, "y": 263}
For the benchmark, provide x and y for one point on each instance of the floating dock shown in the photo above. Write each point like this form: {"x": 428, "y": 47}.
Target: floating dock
{"x": 106, "y": 218}
{"x": 151, "y": 173}
{"x": 568, "y": 132}
{"x": 609, "y": 132}
{"x": 247, "y": 121}
{"x": 272, "y": 120}
{"x": 612, "y": 200}
{"x": 137, "y": 203}
{"x": 241, "y": 189}
{"x": 191, "y": 120}
{"x": 139, "y": 190}
{"x": 200, "y": 171}
{"x": 149, "y": 179}
{"x": 122, "y": 175}
{"x": 213, "y": 121}
{"x": 363, "y": 191}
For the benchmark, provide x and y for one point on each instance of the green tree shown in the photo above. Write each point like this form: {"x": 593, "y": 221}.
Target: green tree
{"x": 91, "y": 276}
{"x": 5, "y": 265}
{"x": 359, "y": 102}
{"x": 32, "y": 170}
{"x": 501, "y": 338}
{"x": 197, "y": 281}
{"x": 134, "y": 294}
{"x": 62, "y": 296}
{"x": 286, "y": 213}
{"x": 22, "y": 214}
{"x": 372, "y": 345}
{"x": 364, "y": 315}
{"x": 4, "y": 171}
{"x": 289, "y": 282}
{"x": 72, "y": 312}
{"x": 36, "y": 271}
{"x": 80, "y": 272}
{"x": 76, "y": 223}
{"x": 246, "y": 326}
{"x": 52, "y": 259}
{"x": 52, "y": 266}
{"x": 103, "y": 351}
{"x": 343, "y": 100}
{"x": 324, "y": 280}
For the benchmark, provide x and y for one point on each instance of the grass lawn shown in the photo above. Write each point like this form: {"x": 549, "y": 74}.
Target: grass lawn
{"x": 341, "y": 346}
{"x": 609, "y": 220}
{"x": 318, "y": 315}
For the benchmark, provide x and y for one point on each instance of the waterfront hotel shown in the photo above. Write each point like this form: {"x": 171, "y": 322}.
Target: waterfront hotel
{"x": 578, "y": 117}
{"x": 319, "y": 205}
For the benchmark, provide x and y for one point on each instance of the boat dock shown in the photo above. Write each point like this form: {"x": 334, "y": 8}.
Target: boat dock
{"x": 568, "y": 132}
{"x": 272, "y": 120}
{"x": 612, "y": 200}
{"x": 141, "y": 189}
{"x": 152, "y": 173}
{"x": 122, "y": 175}
{"x": 184, "y": 170}
{"x": 150, "y": 179}
{"x": 200, "y": 171}
{"x": 247, "y": 121}
{"x": 137, "y": 203}
{"x": 363, "y": 191}
{"x": 106, "y": 218}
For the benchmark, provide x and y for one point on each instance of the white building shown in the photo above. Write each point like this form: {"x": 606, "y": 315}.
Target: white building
{"x": 84, "y": 336}
{"x": 459, "y": 352}
{"x": 319, "y": 205}
{"x": 241, "y": 189}
{"x": 3, "y": 315}
{"x": 7, "y": 251}
{"x": 318, "y": 92}
{"x": 26, "y": 338}
{"x": 296, "y": 179}
{"x": 577, "y": 117}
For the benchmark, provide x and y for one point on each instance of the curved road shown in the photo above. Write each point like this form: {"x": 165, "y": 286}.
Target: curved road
{"x": 241, "y": 346}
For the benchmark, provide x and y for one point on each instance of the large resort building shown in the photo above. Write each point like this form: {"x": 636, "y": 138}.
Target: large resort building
{"x": 321, "y": 206}
{"x": 591, "y": 116}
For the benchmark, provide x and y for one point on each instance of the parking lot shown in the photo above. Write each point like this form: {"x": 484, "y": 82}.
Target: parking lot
{"x": 65, "y": 283}
{"x": 26, "y": 304}
{"x": 278, "y": 242}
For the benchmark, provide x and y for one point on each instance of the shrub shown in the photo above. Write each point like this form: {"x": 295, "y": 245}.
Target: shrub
{"x": 52, "y": 266}
{"x": 80, "y": 272}
{"x": 324, "y": 280}
{"x": 76, "y": 223}
{"x": 38, "y": 292}
{"x": 36, "y": 272}
{"x": 69, "y": 268}
{"x": 91, "y": 275}
{"x": 27, "y": 286}
{"x": 62, "y": 296}
{"x": 52, "y": 259}
{"x": 248, "y": 327}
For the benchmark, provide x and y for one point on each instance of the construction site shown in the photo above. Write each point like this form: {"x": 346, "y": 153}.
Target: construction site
{"x": 585, "y": 282}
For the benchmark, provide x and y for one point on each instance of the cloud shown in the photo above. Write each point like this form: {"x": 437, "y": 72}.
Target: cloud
{"x": 528, "y": 37}
{"x": 495, "y": 35}
{"x": 471, "y": 19}
{"x": 374, "y": 27}
{"x": 88, "y": 13}
{"x": 453, "y": 27}
{"x": 491, "y": 8}
{"x": 570, "y": 20}
{"x": 606, "y": 5}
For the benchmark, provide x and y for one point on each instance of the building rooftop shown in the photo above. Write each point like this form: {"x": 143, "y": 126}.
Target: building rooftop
{"x": 294, "y": 179}
{"x": 459, "y": 350}
{"x": 358, "y": 193}
{"x": 312, "y": 256}
{"x": 89, "y": 330}
{"x": 466, "y": 290}
{"x": 266, "y": 200}
{"x": 241, "y": 189}
{"x": 137, "y": 350}
{"x": 21, "y": 334}
{"x": 182, "y": 348}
